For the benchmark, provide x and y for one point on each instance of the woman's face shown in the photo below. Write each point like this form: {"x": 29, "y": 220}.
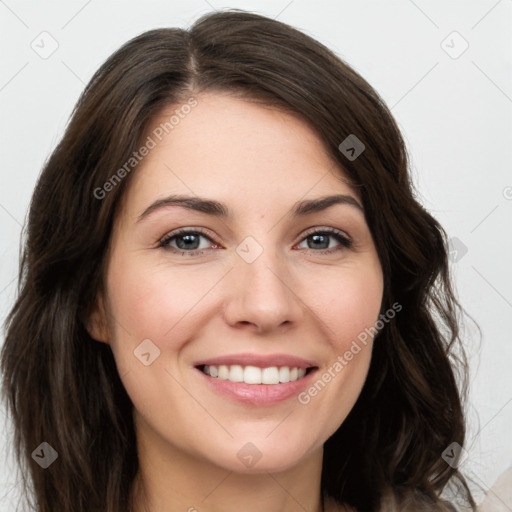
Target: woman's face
{"x": 274, "y": 287}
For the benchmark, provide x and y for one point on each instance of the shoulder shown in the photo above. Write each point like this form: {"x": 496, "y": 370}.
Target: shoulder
{"x": 499, "y": 494}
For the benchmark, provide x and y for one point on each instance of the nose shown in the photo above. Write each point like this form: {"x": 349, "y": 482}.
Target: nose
{"x": 263, "y": 294}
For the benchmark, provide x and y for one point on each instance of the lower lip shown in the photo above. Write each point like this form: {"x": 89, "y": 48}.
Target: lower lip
{"x": 259, "y": 394}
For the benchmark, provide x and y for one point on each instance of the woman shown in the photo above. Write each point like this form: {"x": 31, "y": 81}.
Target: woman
{"x": 230, "y": 298}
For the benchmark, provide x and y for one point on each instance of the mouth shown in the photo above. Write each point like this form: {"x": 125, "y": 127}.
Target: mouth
{"x": 253, "y": 375}
{"x": 257, "y": 380}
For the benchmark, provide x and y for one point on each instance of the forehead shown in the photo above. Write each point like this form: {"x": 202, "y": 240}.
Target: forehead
{"x": 235, "y": 150}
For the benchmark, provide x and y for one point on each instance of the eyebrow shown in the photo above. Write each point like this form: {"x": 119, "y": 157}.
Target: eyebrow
{"x": 217, "y": 209}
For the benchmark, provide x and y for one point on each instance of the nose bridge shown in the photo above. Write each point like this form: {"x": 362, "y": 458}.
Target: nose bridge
{"x": 263, "y": 289}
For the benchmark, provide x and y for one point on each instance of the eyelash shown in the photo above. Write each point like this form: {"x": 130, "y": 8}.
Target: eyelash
{"x": 345, "y": 242}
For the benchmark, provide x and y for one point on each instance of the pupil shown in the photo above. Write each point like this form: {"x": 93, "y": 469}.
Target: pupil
{"x": 317, "y": 238}
{"x": 188, "y": 239}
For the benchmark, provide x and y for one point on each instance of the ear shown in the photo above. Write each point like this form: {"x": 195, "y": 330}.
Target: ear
{"x": 96, "y": 322}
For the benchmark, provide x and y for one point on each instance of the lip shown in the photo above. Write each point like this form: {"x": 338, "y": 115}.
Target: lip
{"x": 259, "y": 360}
{"x": 258, "y": 394}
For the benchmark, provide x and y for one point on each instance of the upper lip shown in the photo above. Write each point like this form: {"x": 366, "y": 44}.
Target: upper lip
{"x": 259, "y": 360}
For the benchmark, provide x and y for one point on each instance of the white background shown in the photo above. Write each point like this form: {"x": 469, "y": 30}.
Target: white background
{"x": 455, "y": 114}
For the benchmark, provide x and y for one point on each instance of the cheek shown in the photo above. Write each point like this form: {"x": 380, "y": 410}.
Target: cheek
{"x": 150, "y": 301}
{"x": 348, "y": 303}
{"x": 348, "y": 306}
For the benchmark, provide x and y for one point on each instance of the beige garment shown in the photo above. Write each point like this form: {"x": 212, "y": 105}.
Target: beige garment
{"x": 499, "y": 497}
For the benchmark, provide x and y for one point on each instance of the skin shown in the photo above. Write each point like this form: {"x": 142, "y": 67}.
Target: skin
{"x": 293, "y": 298}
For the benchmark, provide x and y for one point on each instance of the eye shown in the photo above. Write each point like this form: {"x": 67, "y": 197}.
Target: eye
{"x": 319, "y": 240}
{"x": 189, "y": 241}
{"x": 186, "y": 241}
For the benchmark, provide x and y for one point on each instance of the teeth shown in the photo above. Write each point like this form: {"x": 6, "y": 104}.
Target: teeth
{"x": 223, "y": 372}
{"x": 236, "y": 373}
{"x": 270, "y": 375}
{"x": 254, "y": 374}
{"x": 284, "y": 374}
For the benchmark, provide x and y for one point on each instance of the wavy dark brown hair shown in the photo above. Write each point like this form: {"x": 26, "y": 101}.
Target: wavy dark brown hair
{"x": 63, "y": 387}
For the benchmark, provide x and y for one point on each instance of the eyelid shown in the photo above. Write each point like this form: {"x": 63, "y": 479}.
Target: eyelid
{"x": 324, "y": 229}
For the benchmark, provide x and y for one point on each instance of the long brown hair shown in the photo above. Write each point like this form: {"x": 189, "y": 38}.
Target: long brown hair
{"x": 63, "y": 388}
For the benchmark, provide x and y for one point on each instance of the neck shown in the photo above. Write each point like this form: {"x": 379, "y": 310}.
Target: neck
{"x": 171, "y": 480}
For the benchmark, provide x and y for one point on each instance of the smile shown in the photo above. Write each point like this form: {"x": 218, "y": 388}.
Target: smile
{"x": 257, "y": 379}
{"x": 254, "y": 374}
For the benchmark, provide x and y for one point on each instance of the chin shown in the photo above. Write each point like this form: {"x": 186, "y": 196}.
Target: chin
{"x": 263, "y": 455}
